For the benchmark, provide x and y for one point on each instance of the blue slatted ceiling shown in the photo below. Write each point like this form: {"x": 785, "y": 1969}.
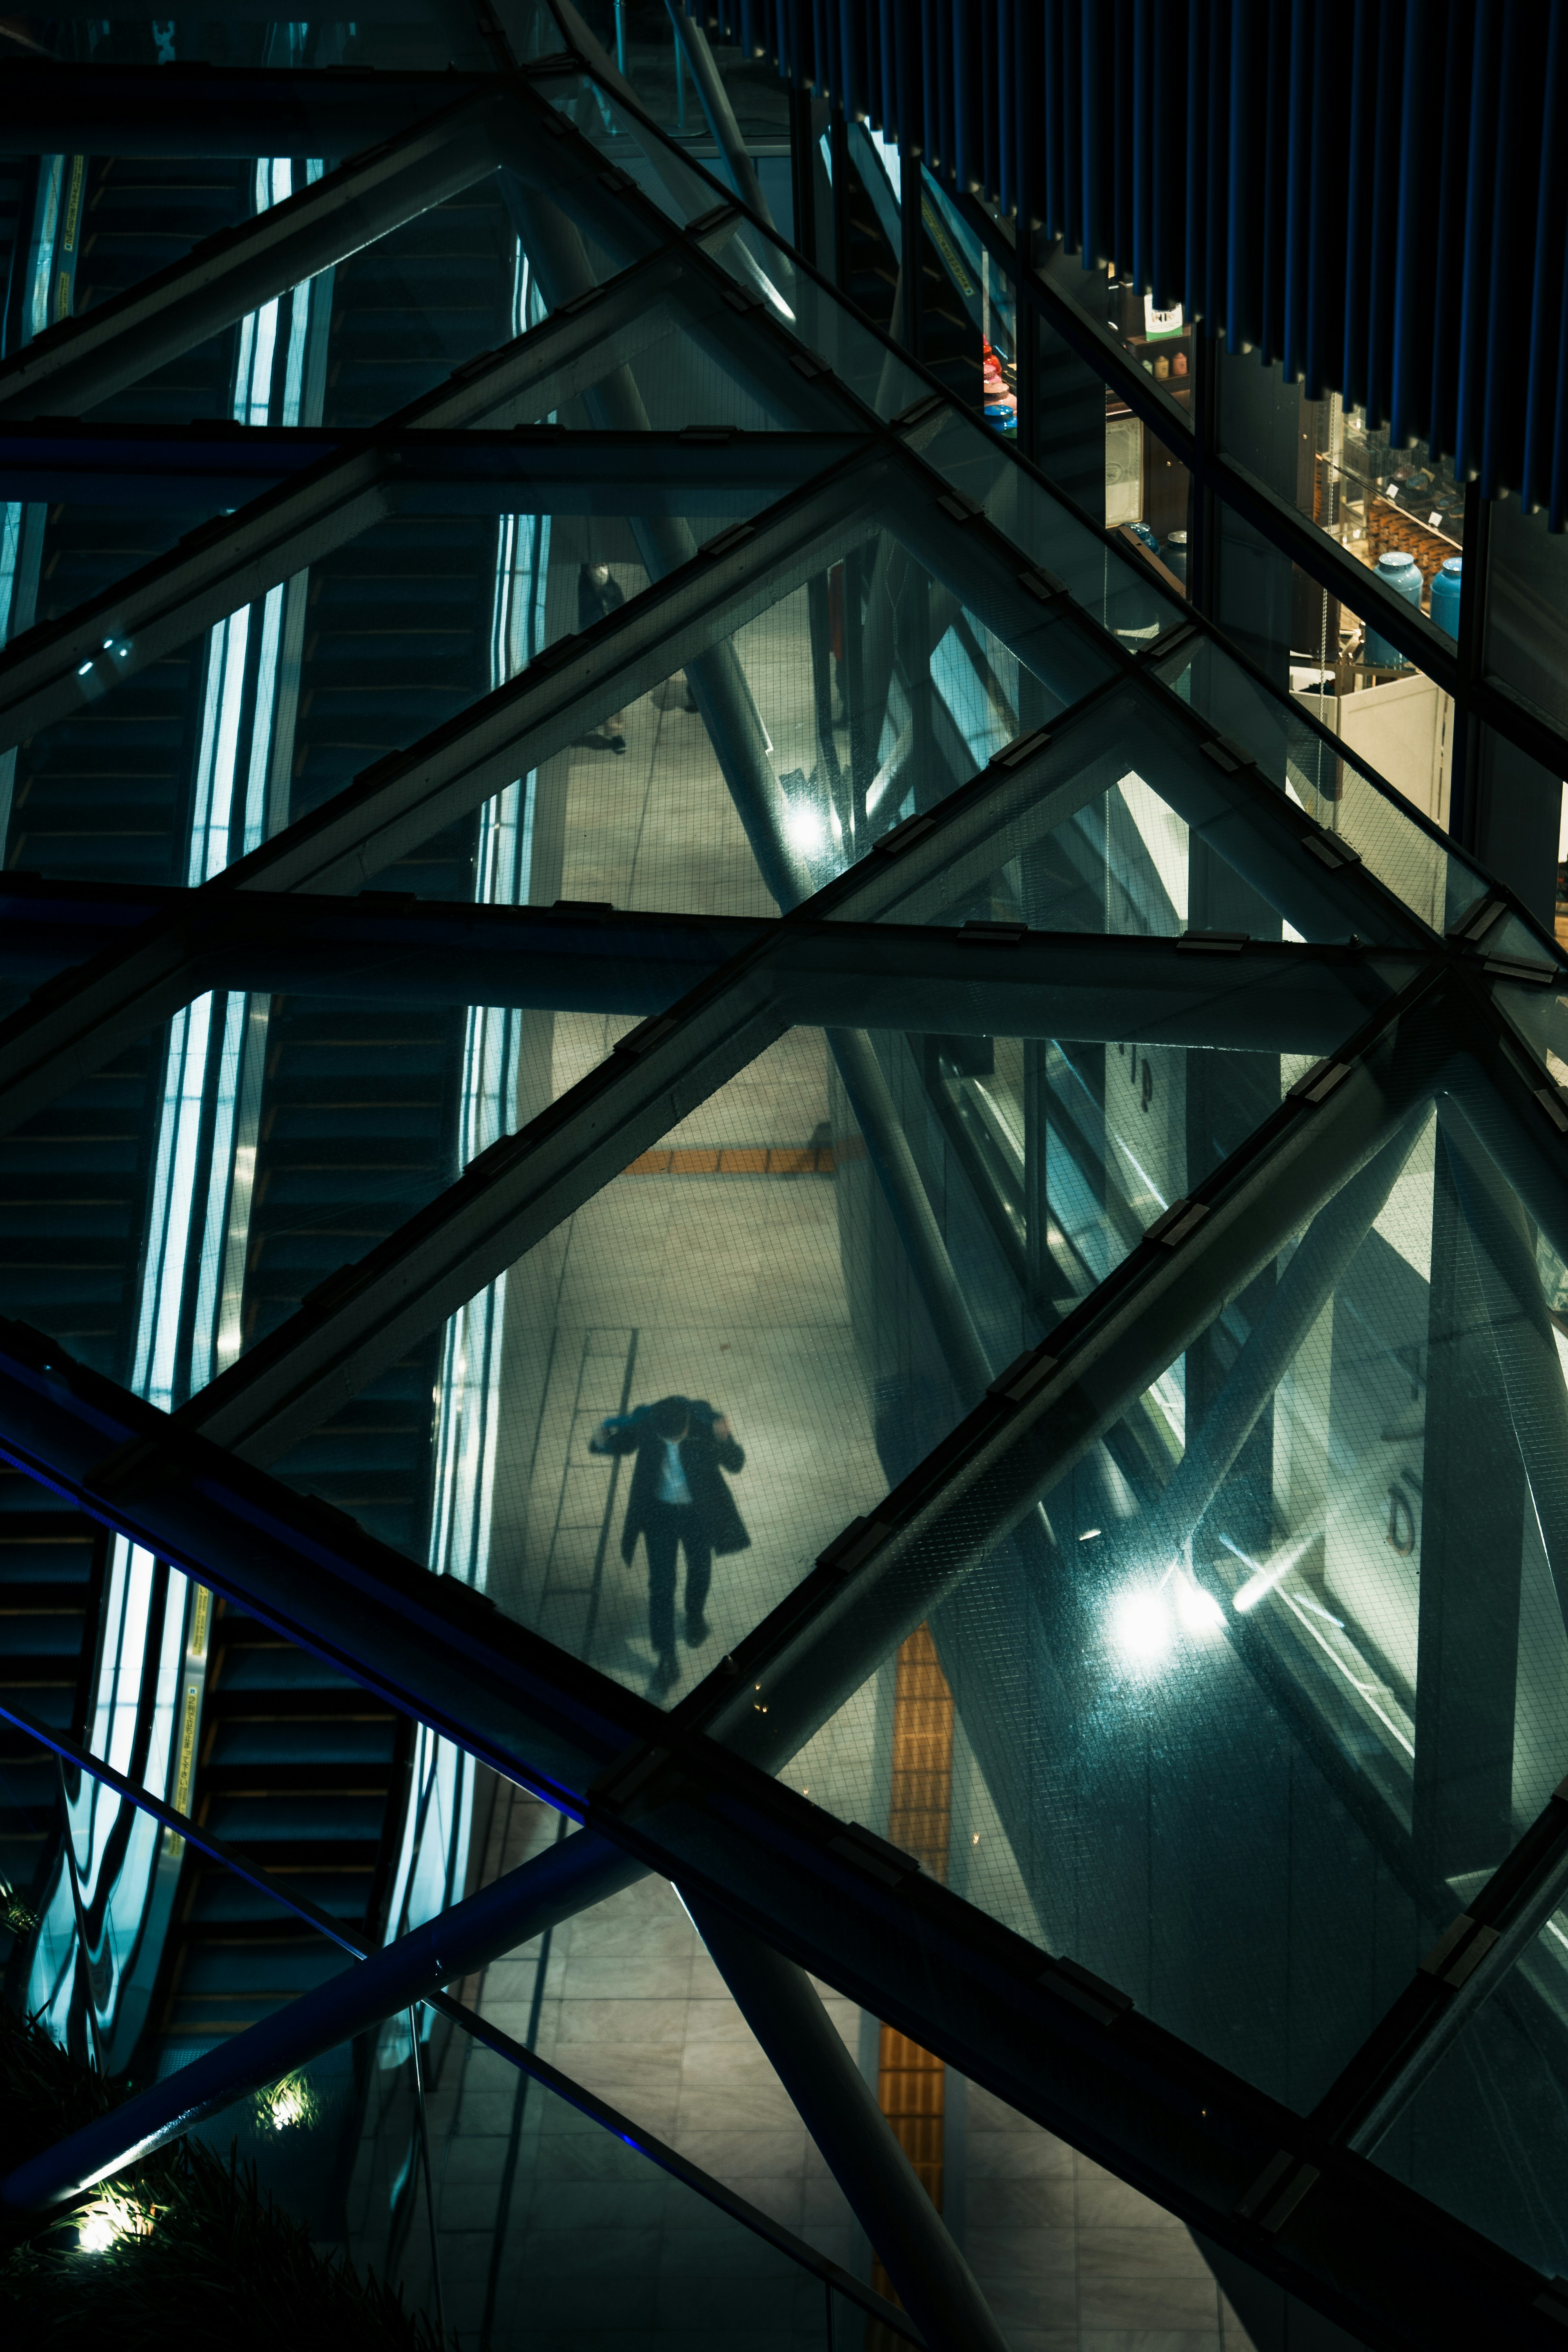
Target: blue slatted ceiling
{"x": 1372, "y": 191}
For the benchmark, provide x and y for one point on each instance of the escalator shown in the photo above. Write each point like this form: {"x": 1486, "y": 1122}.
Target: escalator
{"x": 360, "y": 1108}
{"x": 51, "y": 1581}
{"x": 301, "y": 1771}
{"x": 106, "y": 794}
{"x": 356, "y": 1126}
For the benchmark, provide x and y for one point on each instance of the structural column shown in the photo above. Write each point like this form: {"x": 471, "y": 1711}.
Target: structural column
{"x": 1473, "y": 1499}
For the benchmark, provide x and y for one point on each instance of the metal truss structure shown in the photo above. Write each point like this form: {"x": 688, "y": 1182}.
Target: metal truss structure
{"x": 998, "y": 877}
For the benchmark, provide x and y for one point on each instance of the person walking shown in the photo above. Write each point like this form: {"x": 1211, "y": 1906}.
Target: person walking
{"x": 679, "y": 1502}
{"x": 600, "y": 593}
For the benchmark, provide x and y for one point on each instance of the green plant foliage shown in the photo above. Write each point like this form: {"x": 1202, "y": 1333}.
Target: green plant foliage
{"x": 182, "y": 2249}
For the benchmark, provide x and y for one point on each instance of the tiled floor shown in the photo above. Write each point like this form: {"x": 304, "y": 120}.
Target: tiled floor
{"x": 724, "y": 1287}
{"x": 728, "y": 1287}
{"x": 1071, "y": 2260}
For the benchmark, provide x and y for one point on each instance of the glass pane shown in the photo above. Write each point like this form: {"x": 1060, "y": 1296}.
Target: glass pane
{"x": 751, "y": 1272}
{"x": 768, "y": 273}
{"x": 711, "y": 1272}
{"x": 1414, "y": 862}
{"x": 1360, "y": 687}
{"x": 1538, "y": 1007}
{"x": 408, "y": 309}
{"x": 1283, "y": 1641}
{"x": 552, "y": 2231}
{"x": 1484, "y": 2135}
{"x": 65, "y": 539}
{"x": 1130, "y": 316}
{"x": 660, "y": 172}
{"x": 73, "y": 1190}
{"x": 168, "y": 772}
{"x": 411, "y": 42}
{"x": 1527, "y": 609}
{"x": 673, "y": 368}
{"x": 1399, "y": 511}
{"x": 1125, "y": 826}
{"x": 1118, "y": 591}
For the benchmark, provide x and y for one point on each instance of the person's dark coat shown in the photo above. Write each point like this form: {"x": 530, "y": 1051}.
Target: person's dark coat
{"x": 703, "y": 1459}
{"x": 595, "y": 603}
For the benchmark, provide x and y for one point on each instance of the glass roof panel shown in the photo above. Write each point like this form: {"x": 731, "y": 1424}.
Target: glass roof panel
{"x": 1484, "y": 2135}
{"x": 1121, "y": 824}
{"x": 758, "y": 1259}
{"x": 1118, "y": 591}
{"x": 403, "y": 621}
{"x": 1412, "y": 861}
{"x": 551, "y": 2213}
{"x": 1265, "y": 1678}
{"x": 401, "y": 35}
{"x": 672, "y": 368}
{"x": 768, "y": 274}
{"x": 629, "y": 145}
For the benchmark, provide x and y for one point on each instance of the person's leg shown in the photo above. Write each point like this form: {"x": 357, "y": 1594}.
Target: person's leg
{"x": 616, "y": 728}
{"x": 699, "y": 1575}
{"x": 661, "y": 1537}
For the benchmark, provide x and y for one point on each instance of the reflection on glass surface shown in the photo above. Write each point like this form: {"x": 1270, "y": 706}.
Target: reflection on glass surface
{"x": 1485, "y": 2133}
{"x": 1343, "y": 473}
{"x": 1117, "y": 589}
{"x": 1415, "y": 863}
{"x": 768, "y": 273}
{"x": 1126, "y": 825}
{"x": 748, "y": 1280}
{"x": 712, "y": 1273}
{"x": 625, "y": 145}
{"x": 1270, "y": 1681}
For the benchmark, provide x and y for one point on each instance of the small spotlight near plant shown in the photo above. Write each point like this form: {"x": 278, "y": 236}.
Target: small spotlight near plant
{"x": 287, "y": 2104}
{"x": 14, "y": 1916}
{"x": 109, "y": 2218}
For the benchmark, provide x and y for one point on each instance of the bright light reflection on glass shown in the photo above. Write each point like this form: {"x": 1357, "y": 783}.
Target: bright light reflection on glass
{"x": 1267, "y": 1575}
{"x": 805, "y": 830}
{"x": 1143, "y": 1626}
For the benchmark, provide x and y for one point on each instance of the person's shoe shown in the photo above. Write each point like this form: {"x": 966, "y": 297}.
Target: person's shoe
{"x": 665, "y": 1671}
{"x": 697, "y": 1629}
{"x": 617, "y": 742}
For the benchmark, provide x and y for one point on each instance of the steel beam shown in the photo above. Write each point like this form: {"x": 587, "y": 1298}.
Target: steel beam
{"x": 1470, "y": 1962}
{"x": 278, "y": 1890}
{"x": 87, "y": 1016}
{"x": 73, "y": 366}
{"x": 544, "y": 469}
{"x": 49, "y": 107}
{"x": 1508, "y": 1282}
{"x": 828, "y": 2091}
{"x": 1514, "y": 1109}
{"x": 54, "y": 670}
{"x": 1042, "y": 1417}
{"x": 409, "y": 796}
{"x": 1308, "y": 1283}
{"x": 720, "y": 113}
{"x": 1045, "y": 2039}
{"x": 457, "y": 1943}
{"x": 506, "y": 1201}
{"x": 363, "y": 1319}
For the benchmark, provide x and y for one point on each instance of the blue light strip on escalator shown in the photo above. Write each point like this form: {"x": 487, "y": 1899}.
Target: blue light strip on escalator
{"x": 156, "y": 1624}
{"x": 431, "y": 1866}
